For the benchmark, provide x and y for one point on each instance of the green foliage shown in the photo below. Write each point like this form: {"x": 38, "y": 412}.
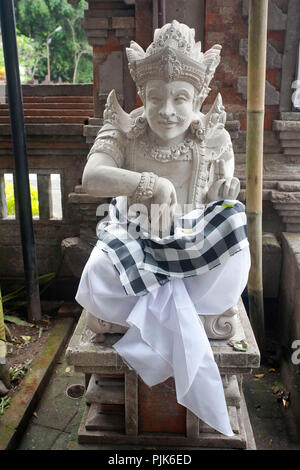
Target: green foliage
{"x": 10, "y": 199}
{"x": 36, "y": 20}
{"x": 18, "y": 372}
{"x": 4, "y": 403}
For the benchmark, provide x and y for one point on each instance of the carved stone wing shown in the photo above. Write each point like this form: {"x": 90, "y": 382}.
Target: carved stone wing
{"x": 216, "y": 117}
{"x": 115, "y": 115}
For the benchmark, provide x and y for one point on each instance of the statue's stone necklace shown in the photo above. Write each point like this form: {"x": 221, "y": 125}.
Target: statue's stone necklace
{"x": 182, "y": 151}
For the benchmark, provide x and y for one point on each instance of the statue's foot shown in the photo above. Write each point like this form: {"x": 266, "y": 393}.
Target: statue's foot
{"x": 99, "y": 327}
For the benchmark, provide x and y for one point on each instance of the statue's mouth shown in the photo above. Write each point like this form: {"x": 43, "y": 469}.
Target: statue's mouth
{"x": 168, "y": 123}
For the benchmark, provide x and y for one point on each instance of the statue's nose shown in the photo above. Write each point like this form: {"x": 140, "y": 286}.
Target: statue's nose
{"x": 167, "y": 110}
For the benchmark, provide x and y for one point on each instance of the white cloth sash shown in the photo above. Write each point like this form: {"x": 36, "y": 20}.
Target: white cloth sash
{"x": 174, "y": 343}
{"x": 166, "y": 338}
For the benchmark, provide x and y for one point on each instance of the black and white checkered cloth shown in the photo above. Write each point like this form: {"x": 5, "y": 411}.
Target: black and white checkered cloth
{"x": 198, "y": 241}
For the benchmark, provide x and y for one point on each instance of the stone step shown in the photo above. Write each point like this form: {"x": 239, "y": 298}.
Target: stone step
{"x": 41, "y": 129}
{"x": 58, "y": 99}
{"x": 97, "y": 420}
{"x": 57, "y": 106}
{"x": 50, "y": 120}
{"x": 53, "y": 112}
{"x": 106, "y": 390}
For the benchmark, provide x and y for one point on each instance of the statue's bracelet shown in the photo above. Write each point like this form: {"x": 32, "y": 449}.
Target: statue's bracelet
{"x": 145, "y": 189}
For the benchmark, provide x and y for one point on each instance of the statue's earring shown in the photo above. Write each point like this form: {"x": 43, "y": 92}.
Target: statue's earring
{"x": 138, "y": 127}
{"x": 197, "y": 128}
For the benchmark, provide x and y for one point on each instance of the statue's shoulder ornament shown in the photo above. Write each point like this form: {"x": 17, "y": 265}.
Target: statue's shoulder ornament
{"x": 131, "y": 125}
{"x": 209, "y": 130}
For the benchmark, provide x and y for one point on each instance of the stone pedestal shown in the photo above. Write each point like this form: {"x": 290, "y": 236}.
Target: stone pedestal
{"x": 122, "y": 409}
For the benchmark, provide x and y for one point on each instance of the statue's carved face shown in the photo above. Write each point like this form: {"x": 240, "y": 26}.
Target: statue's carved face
{"x": 169, "y": 109}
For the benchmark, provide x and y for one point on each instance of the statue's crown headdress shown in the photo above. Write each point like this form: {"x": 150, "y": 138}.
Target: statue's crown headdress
{"x": 174, "y": 55}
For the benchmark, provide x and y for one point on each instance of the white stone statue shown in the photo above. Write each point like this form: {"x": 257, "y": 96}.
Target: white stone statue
{"x": 189, "y": 153}
{"x": 154, "y": 289}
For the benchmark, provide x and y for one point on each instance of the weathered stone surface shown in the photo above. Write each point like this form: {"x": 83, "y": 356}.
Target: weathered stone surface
{"x": 64, "y": 90}
{"x": 131, "y": 403}
{"x": 271, "y": 96}
{"x": 294, "y": 135}
{"x": 76, "y": 253}
{"x": 274, "y": 58}
{"x": 96, "y": 122}
{"x": 111, "y": 74}
{"x": 289, "y": 325}
{"x": 192, "y": 425}
{"x": 290, "y": 116}
{"x": 82, "y": 352}
{"x": 284, "y": 126}
{"x": 95, "y": 23}
{"x": 288, "y": 197}
{"x": 123, "y": 22}
{"x": 99, "y": 421}
{"x": 293, "y": 228}
{"x": 271, "y": 265}
{"x": 3, "y": 389}
{"x": 287, "y": 144}
{"x": 232, "y": 391}
{"x": 106, "y": 390}
{"x": 127, "y": 33}
{"x": 96, "y": 33}
{"x": 293, "y": 151}
{"x": 276, "y": 18}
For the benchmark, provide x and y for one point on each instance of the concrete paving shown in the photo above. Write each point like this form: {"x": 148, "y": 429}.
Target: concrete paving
{"x": 54, "y": 424}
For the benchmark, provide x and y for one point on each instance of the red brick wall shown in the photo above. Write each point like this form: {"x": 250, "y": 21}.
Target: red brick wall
{"x": 225, "y": 25}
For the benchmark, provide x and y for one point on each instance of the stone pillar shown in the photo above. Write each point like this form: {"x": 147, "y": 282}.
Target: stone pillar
{"x": 109, "y": 27}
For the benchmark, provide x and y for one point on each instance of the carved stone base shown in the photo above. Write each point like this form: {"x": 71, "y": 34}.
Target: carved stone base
{"x": 123, "y": 410}
{"x": 220, "y": 326}
{"x": 118, "y": 413}
{"x": 216, "y": 326}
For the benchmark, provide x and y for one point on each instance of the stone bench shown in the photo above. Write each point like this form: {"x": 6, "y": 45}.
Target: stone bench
{"x": 122, "y": 409}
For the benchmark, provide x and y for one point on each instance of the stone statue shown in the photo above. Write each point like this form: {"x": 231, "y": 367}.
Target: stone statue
{"x": 166, "y": 153}
{"x": 189, "y": 153}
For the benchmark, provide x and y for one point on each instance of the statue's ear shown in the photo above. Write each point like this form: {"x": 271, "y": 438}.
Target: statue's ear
{"x": 197, "y": 102}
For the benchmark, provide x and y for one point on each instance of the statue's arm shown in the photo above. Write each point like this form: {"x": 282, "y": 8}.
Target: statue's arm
{"x": 103, "y": 178}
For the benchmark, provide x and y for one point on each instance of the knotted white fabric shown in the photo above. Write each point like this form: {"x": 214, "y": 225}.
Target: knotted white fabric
{"x": 165, "y": 336}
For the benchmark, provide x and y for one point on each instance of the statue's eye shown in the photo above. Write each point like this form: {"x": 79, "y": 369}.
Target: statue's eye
{"x": 180, "y": 99}
{"x": 154, "y": 99}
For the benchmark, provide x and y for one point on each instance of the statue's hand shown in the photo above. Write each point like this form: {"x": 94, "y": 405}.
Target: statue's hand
{"x": 164, "y": 192}
{"x": 163, "y": 204}
{"x": 223, "y": 187}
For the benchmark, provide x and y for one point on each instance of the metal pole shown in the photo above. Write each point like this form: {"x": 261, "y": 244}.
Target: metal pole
{"x": 15, "y": 100}
{"x": 161, "y": 13}
{"x": 257, "y": 47}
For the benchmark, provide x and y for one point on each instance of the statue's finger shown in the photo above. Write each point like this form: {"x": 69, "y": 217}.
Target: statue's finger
{"x": 227, "y": 186}
{"x": 216, "y": 170}
{"x": 222, "y": 168}
{"x": 234, "y": 188}
{"x": 173, "y": 198}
